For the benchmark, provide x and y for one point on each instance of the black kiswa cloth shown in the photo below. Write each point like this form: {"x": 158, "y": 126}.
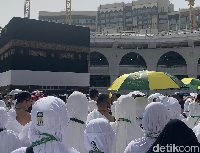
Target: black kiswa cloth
{"x": 29, "y": 150}
{"x": 175, "y": 133}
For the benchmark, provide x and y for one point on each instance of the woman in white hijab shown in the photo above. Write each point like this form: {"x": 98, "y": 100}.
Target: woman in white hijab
{"x": 140, "y": 103}
{"x": 49, "y": 123}
{"x": 194, "y": 115}
{"x": 99, "y": 136}
{"x": 155, "y": 117}
{"x": 9, "y": 141}
{"x": 77, "y": 106}
{"x": 125, "y": 127}
{"x": 174, "y": 107}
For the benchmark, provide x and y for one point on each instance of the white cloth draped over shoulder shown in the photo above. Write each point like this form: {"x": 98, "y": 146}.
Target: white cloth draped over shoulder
{"x": 99, "y": 136}
{"x": 155, "y": 117}
{"x": 194, "y": 115}
{"x": 23, "y": 136}
{"x": 113, "y": 108}
{"x": 125, "y": 126}
{"x": 93, "y": 115}
{"x": 49, "y": 115}
{"x": 77, "y": 106}
{"x": 186, "y": 108}
{"x": 92, "y": 105}
{"x": 9, "y": 141}
{"x": 13, "y": 124}
{"x": 140, "y": 104}
{"x": 174, "y": 107}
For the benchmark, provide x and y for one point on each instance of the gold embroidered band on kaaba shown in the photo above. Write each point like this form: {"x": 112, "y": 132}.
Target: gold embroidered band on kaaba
{"x": 42, "y": 45}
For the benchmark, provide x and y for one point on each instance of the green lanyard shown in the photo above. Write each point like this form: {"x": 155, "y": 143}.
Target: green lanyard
{"x": 20, "y": 109}
{"x": 102, "y": 111}
{"x": 44, "y": 140}
{"x": 138, "y": 118}
{"x": 186, "y": 111}
{"x": 150, "y": 135}
{"x": 123, "y": 119}
{"x": 76, "y": 120}
{"x": 95, "y": 151}
{"x": 194, "y": 116}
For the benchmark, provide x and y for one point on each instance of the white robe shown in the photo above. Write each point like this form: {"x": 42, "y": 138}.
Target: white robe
{"x": 196, "y": 130}
{"x": 9, "y": 141}
{"x": 125, "y": 131}
{"x": 194, "y": 110}
{"x": 61, "y": 147}
{"x": 23, "y": 136}
{"x": 13, "y": 124}
{"x": 155, "y": 117}
{"x": 99, "y": 133}
{"x": 77, "y": 106}
{"x": 93, "y": 115}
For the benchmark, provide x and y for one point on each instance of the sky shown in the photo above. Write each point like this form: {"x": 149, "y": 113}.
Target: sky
{"x": 15, "y": 8}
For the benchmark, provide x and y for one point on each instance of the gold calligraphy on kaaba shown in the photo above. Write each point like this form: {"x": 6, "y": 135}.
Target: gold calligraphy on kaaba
{"x": 37, "y": 53}
{"x": 66, "y": 55}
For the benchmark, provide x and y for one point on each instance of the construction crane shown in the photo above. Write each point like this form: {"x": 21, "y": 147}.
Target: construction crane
{"x": 191, "y": 15}
{"x": 27, "y": 9}
{"x": 68, "y": 11}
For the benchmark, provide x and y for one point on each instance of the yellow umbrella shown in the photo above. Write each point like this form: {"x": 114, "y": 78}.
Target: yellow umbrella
{"x": 146, "y": 80}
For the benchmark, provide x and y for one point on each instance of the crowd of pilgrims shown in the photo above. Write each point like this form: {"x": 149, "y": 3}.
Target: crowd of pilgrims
{"x": 97, "y": 123}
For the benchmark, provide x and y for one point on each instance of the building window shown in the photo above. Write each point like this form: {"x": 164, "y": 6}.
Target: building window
{"x": 103, "y": 15}
{"x": 111, "y": 20}
{"x": 107, "y": 14}
{"x": 162, "y": 21}
{"x": 135, "y": 18}
{"x": 140, "y": 22}
{"x": 163, "y": 16}
{"x": 129, "y": 25}
{"x": 145, "y": 22}
{"x": 120, "y": 13}
{"x": 140, "y": 11}
{"x": 107, "y": 20}
{"x": 115, "y": 19}
{"x": 135, "y": 12}
{"x": 139, "y": 17}
{"x": 154, "y": 9}
{"x": 102, "y": 21}
{"x": 129, "y": 20}
{"x": 139, "y": 27}
{"x": 120, "y": 19}
{"x": 80, "y": 20}
{"x": 154, "y": 16}
{"x": 84, "y": 21}
{"x": 128, "y": 14}
{"x": 145, "y": 27}
{"x": 121, "y": 24}
{"x": 149, "y": 10}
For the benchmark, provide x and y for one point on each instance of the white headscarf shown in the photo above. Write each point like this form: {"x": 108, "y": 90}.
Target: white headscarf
{"x": 49, "y": 115}
{"x": 174, "y": 107}
{"x": 77, "y": 106}
{"x": 99, "y": 133}
{"x": 155, "y": 117}
{"x": 9, "y": 141}
{"x": 153, "y": 96}
{"x": 194, "y": 115}
{"x": 126, "y": 129}
{"x": 140, "y": 104}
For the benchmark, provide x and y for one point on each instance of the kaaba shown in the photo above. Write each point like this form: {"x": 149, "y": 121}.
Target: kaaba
{"x": 44, "y": 55}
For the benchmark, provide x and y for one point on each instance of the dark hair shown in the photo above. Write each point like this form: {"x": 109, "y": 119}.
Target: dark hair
{"x": 93, "y": 93}
{"x": 23, "y": 96}
{"x": 117, "y": 94}
{"x": 198, "y": 96}
{"x": 101, "y": 99}
{"x": 180, "y": 96}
